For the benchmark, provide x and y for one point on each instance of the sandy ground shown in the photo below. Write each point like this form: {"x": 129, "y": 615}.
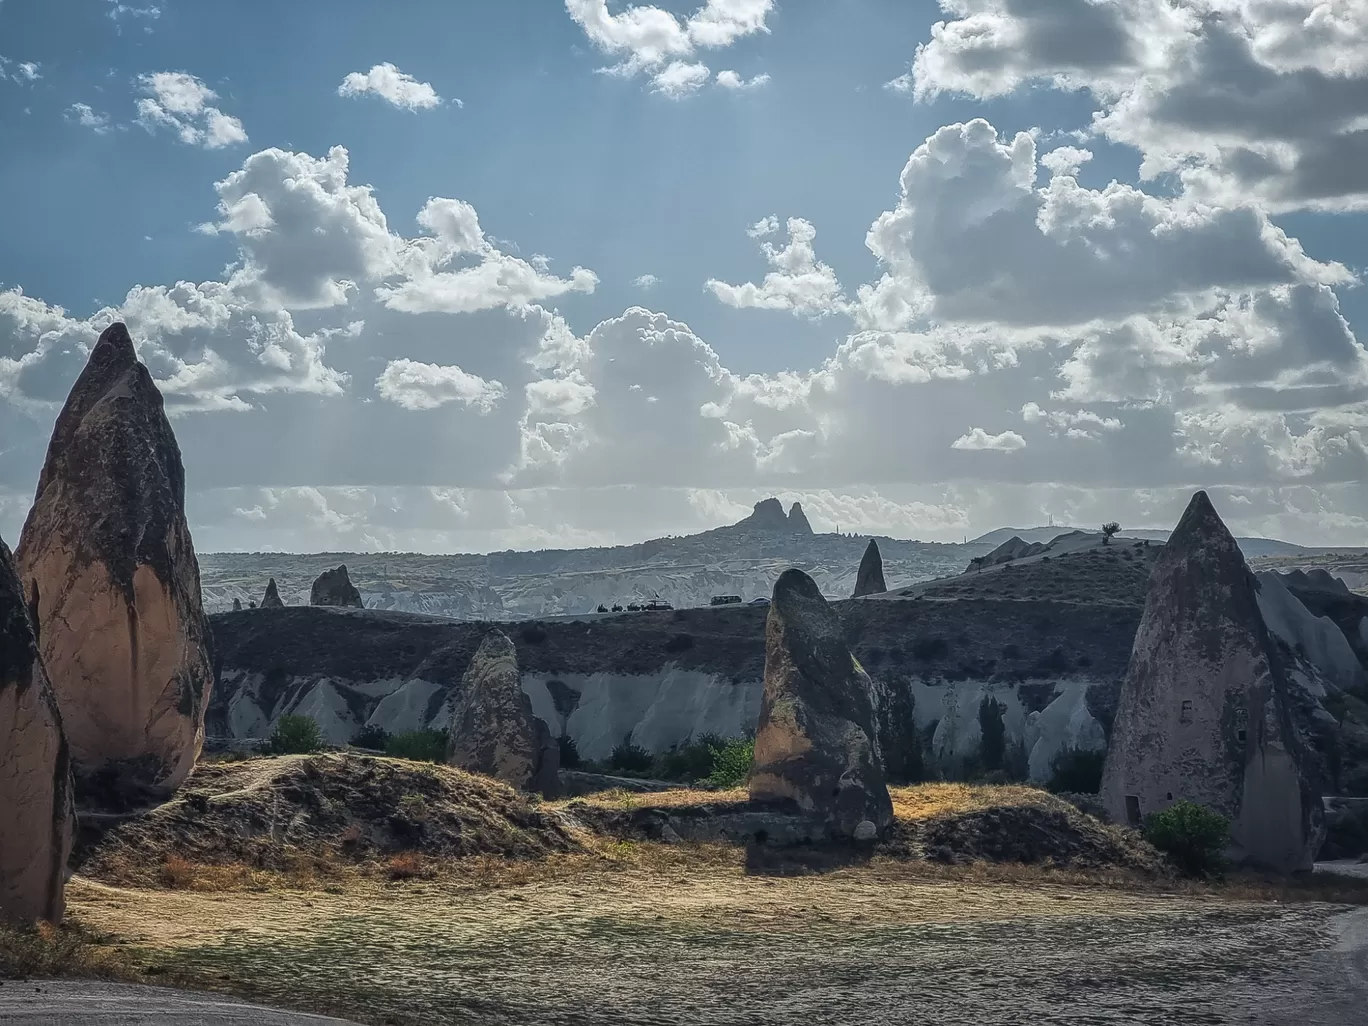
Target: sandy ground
{"x": 717, "y": 946}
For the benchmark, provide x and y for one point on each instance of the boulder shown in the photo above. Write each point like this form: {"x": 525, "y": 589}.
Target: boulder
{"x": 334, "y": 588}
{"x": 1208, "y": 711}
{"x": 797, "y": 520}
{"x": 870, "y": 579}
{"x": 35, "y": 786}
{"x": 271, "y": 600}
{"x": 113, "y": 587}
{"x": 817, "y": 740}
{"x": 493, "y": 730}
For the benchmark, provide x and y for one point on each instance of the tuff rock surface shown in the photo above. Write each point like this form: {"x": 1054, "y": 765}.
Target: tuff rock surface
{"x": 35, "y": 768}
{"x": 334, "y": 588}
{"x": 493, "y": 730}
{"x": 817, "y": 740}
{"x": 797, "y": 520}
{"x": 1208, "y": 710}
{"x": 237, "y": 605}
{"x": 870, "y": 579}
{"x": 112, "y": 585}
{"x": 271, "y": 599}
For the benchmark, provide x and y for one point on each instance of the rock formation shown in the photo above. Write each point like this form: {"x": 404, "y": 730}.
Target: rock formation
{"x": 271, "y": 600}
{"x": 797, "y": 520}
{"x": 1208, "y": 711}
{"x": 237, "y": 605}
{"x": 817, "y": 741}
{"x": 493, "y": 730}
{"x": 112, "y": 583}
{"x": 768, "y": 515}
{"x": 334, "y": 588}
{"x": 35, "y": 785}
{"x": 870, "y": 579}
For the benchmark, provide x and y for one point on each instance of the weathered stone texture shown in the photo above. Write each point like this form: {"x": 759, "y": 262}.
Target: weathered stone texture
{"x": 334, "y": 588}
{"x": 817, "y": 741}
{"x": 493, "y": 730}
{"x": 35, "y": 769}
{"x": 271, "y": 599}
{"x": 1207, "y": 711}
{"x": 110, "y": 578}
{"x": 870, "y": 579}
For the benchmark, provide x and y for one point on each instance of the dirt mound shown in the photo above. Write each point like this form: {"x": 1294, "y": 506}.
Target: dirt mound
{"x": 267, "y": 813}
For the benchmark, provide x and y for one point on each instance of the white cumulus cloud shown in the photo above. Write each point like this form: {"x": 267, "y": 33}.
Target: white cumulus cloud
{"x": 182, "y": 103}
{"x": 980, "y": 440}
{"x": 392, "y": 85}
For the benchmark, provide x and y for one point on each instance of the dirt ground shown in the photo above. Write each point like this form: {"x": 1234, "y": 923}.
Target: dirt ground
{"x": 711, "y": 945}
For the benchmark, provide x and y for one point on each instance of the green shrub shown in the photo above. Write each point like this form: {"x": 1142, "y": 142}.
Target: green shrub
{"x": 994, "y": 744}
{"x": 1192, "y": 835}
{"x": 679, "y": 643}
{"x": 688, "y": 761}
{"x": 295, "y": 735}
{"x": 569, "y": 752}
{"x": 1076, "y": 771}
{"x": 371, "y": 737}
{"x": 732, "y": 763}
{"x": 418, "y": 745}
{"x": 629, "y": 758}
{"x": 533, "y": 635}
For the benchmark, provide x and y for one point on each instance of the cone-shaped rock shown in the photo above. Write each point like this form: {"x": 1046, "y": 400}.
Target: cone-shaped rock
{"x": 797, "y": 520}
{"x": 493, "y": 730}
{"x": 870, "y": 579}
{"x": 271, "y": 600}
{"x": 1208, "y": 711}
{"x": 35, "y": 775}
{"x": 817, "y": 740}
{"x": 111, "y": 581}
{"x": 237, "y": 605}
{"x": 334, "y": 588}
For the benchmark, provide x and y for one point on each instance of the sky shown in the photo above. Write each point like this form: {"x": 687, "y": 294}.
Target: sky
{"x": 473, "y": 276}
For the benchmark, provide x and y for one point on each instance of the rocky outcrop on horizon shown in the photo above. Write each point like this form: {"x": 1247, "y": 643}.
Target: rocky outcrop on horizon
{"x": 35, "y": 786}
{"x": 334, "y": 588}
{"x": 817, "y": 739}
{"x": 870, "y": 579}
{"x": 769, "y": 516}
{"x": 271, "y": 599}
{"x": 109, "y": 573}
{"x": 1208, "y": 710}
{"x": 797, "y": 520}
{"x": 493, "y": 730}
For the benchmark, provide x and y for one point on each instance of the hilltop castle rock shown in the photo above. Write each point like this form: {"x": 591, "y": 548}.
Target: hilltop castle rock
{"x": 35, "y": 787}
{"x": 493, "y": 730}
{"x": 817, "y": 742}
{"x": 271, "y": 600}
{"x": 334, "y": 588}
{"x": 769, "y": 516}
{"x": 870, "y": 579}
{"x": 112, "y": 584}
{"x": 797, "y": 520}
{"x": 1209, "y": 711}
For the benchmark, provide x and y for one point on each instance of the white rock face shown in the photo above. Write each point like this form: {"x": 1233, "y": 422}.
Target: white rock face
{"x": 657, "y": 710}
{"x": 1316, "y": 638}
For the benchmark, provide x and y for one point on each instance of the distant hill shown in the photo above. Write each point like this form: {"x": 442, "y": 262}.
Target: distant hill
{"x": 1249, "y": 546}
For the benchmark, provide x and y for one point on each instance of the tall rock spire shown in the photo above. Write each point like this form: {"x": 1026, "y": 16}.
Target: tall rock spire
{"x": 1208, "y": 711}
{"x": 110, "y": 576}
{"x": 870, "y": 579}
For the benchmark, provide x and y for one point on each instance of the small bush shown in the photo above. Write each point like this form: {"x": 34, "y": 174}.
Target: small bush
{"x": 993, "y": 747}
{"x": 407, "y": 865}
{"x": 680, "y": 643}
{"x": 533, "y": 635}
{"x": 689, "y": 761}
{"x": 295, "y": 735}
{"x": 1192, "y": 835}
{"x": 1076, "y": 771}
{"x": 569, "y": 752}
{"x": 731, "y": 763}
{"x": 417, "y": 745}
{"x": 629, "y": 758}
{"x": 371, "y": 737}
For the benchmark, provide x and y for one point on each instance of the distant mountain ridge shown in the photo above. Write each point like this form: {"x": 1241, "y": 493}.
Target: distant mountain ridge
{"x": 1249, "y": 546}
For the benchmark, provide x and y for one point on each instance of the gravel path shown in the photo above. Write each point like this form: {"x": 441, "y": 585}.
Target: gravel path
{"x": 88, "y": 1003}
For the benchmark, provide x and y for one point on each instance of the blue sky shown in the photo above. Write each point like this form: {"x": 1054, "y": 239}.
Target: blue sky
{"x": 994, "y": 393}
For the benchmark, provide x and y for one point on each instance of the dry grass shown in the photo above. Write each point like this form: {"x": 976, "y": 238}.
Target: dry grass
{"x": 46, "y": 951}
{"x": 926, "y": 801}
